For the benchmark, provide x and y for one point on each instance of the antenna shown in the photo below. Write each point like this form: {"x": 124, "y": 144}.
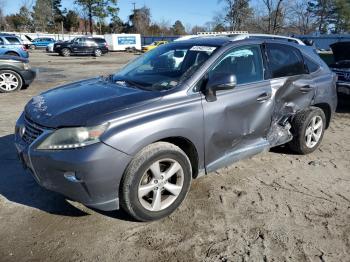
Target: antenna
{"x": 134, "y": 4}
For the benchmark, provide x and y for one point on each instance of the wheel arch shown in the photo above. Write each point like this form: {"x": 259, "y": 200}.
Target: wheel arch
{"x": 326, "y": 110}
{"x": 12, "y": 52}
{"x": 189, "y": 148}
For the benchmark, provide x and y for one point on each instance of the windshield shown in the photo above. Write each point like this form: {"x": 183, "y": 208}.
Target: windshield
{"x": 164, "y": 67}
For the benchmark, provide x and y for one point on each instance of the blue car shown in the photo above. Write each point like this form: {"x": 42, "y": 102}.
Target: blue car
{"x": 12, "y": 45}
{"x": 42, "y": 42}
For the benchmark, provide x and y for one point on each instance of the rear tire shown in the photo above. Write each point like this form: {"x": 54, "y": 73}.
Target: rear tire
{"x": 32, "y": 47}
{"x": 65, "y": 52}
{"x": 155, "y": 182}
{"x": 10, "y": 81}
{"x": 308, "y": 128}
{"x": 98, "y": 52}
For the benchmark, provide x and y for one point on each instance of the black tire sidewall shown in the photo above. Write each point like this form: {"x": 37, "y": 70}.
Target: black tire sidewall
{"x": 302, "y": 130}
{"x": 138, "y": 211}
{"x": 19, "y": 78}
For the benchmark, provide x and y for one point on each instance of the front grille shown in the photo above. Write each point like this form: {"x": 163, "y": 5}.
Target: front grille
{"x": 32, "y": 131}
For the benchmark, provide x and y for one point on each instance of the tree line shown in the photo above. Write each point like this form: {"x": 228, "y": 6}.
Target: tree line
{"x": 102, "y": 16}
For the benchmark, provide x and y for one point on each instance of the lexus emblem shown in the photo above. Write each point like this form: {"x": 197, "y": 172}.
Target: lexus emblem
{"x": 22, "y": 130}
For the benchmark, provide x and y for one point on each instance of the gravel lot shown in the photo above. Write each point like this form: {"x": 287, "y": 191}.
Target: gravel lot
{"x": 274, "y": 207}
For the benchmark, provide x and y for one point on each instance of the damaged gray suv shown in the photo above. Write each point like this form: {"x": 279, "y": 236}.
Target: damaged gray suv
{"x": 136, "y": 139}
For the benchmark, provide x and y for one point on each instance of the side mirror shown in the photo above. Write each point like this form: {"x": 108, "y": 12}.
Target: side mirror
{"x": 219, "y": 82}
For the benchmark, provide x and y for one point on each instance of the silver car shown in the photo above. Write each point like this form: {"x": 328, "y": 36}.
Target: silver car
{"x": 136, "y": 139}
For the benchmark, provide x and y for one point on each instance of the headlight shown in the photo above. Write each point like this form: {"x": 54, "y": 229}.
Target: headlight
{"x": 26, "y": 66}
{"x": 75, "y": 137}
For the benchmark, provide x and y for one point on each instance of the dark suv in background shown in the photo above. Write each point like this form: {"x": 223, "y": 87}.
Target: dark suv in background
{"x": 341, "y": 66}
{"x": 82, "y": 46}
{"x": 135, "y": 139}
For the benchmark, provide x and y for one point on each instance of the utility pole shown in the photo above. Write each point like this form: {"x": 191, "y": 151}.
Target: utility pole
{"x": 134, "y": 4}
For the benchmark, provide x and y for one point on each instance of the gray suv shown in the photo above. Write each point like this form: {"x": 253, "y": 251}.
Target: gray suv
{"x": 136, "y": 139}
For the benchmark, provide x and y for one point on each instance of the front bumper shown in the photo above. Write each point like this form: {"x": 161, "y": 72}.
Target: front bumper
{"x": 97, "y": 170}
{"x": 28, "y": 76}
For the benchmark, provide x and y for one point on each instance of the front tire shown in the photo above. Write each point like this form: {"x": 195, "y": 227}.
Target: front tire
{"x": 155, "y": 182}
{"x": 308, "y": 128}
{"x": 65, "y": 52}
{"x": 10, "y": 81}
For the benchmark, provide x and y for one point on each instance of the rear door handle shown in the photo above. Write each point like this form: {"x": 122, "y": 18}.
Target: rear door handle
{"x": 263, "y": 97}
{"x": 305, "y": 88}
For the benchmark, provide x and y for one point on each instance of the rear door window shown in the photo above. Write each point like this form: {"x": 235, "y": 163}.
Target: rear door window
{"x": 284, "y": 60}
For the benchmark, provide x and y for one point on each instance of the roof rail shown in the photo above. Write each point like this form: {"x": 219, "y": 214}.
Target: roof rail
{"x": 223, "y": 33}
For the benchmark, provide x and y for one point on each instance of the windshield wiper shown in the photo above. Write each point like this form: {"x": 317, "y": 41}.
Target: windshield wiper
{"x": 130, "y": 83}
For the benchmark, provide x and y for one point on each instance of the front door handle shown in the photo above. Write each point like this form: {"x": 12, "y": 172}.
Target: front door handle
{"x": 305, "y": 88}
{"x": 263, "y": 97}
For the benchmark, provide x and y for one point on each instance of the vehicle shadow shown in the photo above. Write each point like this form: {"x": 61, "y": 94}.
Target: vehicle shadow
{"x": 18, "y": 186}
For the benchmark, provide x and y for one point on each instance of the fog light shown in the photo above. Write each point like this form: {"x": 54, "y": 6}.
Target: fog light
{"x": 70, "y": 176}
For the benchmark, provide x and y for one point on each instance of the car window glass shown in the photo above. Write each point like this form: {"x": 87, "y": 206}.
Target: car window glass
{"x": 312, "y": 66}
{"x": 284, "y": 61}
{"x": 171, "y": 60}
{"x": 1, "y": 41}
{"x": 90, "y": 43}
{"x": 13, "y": 40}
{"x": 243, "y": 62}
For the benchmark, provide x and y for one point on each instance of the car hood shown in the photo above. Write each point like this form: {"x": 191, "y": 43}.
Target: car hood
{"x": 77, "y": 104}
{"x": 341, "y": 51}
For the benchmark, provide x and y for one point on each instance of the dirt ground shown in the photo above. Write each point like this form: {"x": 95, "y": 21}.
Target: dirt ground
{"x": 274, "y": 207}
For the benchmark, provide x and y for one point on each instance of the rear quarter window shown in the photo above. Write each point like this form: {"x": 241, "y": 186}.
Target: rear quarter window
{"x": 311, "y": 65}
{"x": 284, "y": 60}
{"x": 99, "y": 40}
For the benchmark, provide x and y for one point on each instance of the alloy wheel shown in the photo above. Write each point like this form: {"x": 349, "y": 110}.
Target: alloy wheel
{"x": 98, "y": 52}
{"x": 314, "y": 131}
{"x": 161, "y": 184}
{"x": 8, "y": 82}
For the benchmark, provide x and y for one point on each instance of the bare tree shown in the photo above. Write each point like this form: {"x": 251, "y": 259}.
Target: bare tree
{"x": 2, "y": 15}
{"x": 301, "y": 19}
{"x": 237, "y": 11}
{"x": 274, "y": 15}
